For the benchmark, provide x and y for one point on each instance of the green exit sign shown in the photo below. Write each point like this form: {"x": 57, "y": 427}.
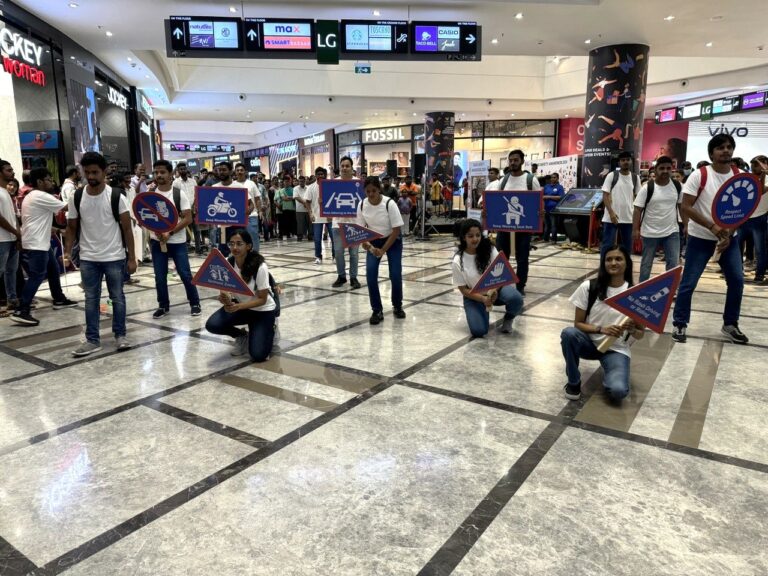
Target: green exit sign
{"x": 362, "y": 68}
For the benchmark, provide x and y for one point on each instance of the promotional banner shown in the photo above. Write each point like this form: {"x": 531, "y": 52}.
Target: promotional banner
{"x": 513, "y": 210}
{"x": 155, "y": 212}
{"x": 478, "y": 181}
{"x": 438, "y": 146}
{"x": 498, "y": 274}
{"x": 224, "y": 206}
{"x": 217, "y": 273}
{"x": 736, "y": 200}
{"x": 339, "y": 198}
{"x": 648, "y": 303}
{"x": 353, "y": 235}
{"x": 565, "y": 166}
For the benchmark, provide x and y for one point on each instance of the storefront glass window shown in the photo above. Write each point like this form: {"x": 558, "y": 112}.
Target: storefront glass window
{"x": 497, "y": 149}
{"x": 377, "y": 155}
{"x": 469, "y": 130}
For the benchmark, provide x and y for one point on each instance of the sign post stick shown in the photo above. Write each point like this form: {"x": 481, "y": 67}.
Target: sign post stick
{"x": 606, "y": 344}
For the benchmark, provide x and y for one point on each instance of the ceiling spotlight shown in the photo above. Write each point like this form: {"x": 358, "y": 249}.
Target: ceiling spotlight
{"x": 669, "y": 18}
{"x": 376, "y": 13}
{"x": 71, "y": 57}
{"x": 414, "y": 114}
{"x": 567, "y": 116}
{"x": 312, "y": 112}
{"x": 494, "y": 41}
{"x": 146, "y": 76}
{"x": 130, "y": 59}
{"x": 179, "y": 109}
{"x": 588, "y": 41}
{"x": 233, "y": 9}
{"x": 519, "y": 16}
{"x": 375, "y": 113}
{"x": 708, "y": 44}
{"x": 716, "y": 18}
{"x": 109, "y": 34}
{"x": 73, "y": 4}
{"x": 512, "y": 114}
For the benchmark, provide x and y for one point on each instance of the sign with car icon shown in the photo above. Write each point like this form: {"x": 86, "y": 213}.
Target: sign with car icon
{"x": 155, "y": 212}
{"x": 339, "y": 198}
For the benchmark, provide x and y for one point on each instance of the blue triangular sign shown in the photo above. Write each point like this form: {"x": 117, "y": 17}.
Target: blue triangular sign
{"x": 498, "y": 274}
{"x": 353, "y": 235}
{"x": 217, "y": 273}
{"x": 648, "y": 303}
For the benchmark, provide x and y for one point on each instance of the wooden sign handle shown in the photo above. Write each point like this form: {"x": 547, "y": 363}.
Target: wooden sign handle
{"x": 606, "y": 344}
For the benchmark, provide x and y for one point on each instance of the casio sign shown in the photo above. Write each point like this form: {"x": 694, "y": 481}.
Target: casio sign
{"x": 386, "y": 135}
{"x": 117, "y": 98}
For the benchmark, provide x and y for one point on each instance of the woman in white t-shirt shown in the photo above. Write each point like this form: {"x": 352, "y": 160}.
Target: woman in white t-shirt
{"x": 595, "y": 323}
{"x": 258, "y": 312}
{"x": 473, "y": 257}
{"x": 381, "y": 215}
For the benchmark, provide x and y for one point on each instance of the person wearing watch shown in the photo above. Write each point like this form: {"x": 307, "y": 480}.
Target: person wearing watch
{"x": 595, "y": 321}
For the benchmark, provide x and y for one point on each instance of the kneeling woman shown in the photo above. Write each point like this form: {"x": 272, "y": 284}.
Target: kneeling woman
{"x": 257, "y": 312}
{"x": 470, "y": 262}
{"x": 595, "y": 321}
{"x": 380, "y": 214}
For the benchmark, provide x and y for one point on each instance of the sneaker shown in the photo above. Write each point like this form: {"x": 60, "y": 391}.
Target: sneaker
{"x": 66, "y": 303}
{"x": 13, "y": 305}
{"x": 196, "y": 310}
{"x": 678, "y": 334}
{"x": 122, "y": 343}
{"x": 572, "y": 391}
{"x": 758, "y": 280}
{"x": 86, "y": 348}
{"x": 376, "y": 317}
{"x": 399, "y": 313}
{"x": 521, "y": 289}
{"x": 736, "y": 335}
{"x": 160, "y": 312}
{"x": 354, "y": 283}
{"x": 240, "y": 345}
{"x": 24, "y": 318}
{"x": 749, "y": 265}
{"x": 339, "y": 282}
{"x": 318, "y": 261}
{"x": 276, "y": 337}
{"x": 506, "y": 326}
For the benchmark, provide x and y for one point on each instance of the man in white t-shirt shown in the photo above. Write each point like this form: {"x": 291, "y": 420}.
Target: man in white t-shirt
{"x": 655, "y": 218}
{"x": 704, "y": 237}
{"x": 302, "y": 210}
{"x": 312, "y": 197}
{"x": 175, "y": 244}
{"x": 10, "y": 236}
{"x": 757, "y": 225}
{"x": 71, "y": 180}
{"x": 619, "y": 191}
{"x": 516, "y": 179}
{"x": 254, "y": 202}
{"x": 187, "y": 184}
{"x": 225, "y": 174}
{"x": 104, "y": 223}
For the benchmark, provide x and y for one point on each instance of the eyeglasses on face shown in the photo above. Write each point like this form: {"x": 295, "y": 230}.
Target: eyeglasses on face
{"x": 235, "y": 244}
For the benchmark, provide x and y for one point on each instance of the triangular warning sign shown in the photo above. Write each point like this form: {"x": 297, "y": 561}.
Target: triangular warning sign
{"x": 648, "y": 303}
{"x": 217, "y": 273}
{"x": 353, "y": 235}
{"x": 499, "y": 273}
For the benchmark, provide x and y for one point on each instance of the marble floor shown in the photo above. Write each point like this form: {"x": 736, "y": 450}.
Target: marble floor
{"x": 403, "y": 448}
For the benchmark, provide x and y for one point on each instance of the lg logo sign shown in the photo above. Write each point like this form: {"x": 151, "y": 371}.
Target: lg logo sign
{"x": 117, "y": 98}
{"x": 327, "y": 41}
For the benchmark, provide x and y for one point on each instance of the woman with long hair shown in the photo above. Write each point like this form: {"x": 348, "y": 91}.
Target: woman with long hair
{"x": 474, "y": 255}
{"x": 595, "y": 321}
{"x": 257, "y": 312}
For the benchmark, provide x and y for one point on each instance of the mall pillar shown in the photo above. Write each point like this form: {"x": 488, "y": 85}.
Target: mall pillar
{"x": 438, "y": 145}
{"x": 613, "y": 121}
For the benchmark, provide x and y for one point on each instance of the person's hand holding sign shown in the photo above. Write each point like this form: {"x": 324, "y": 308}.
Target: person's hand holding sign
{"x": 490, "y": 298}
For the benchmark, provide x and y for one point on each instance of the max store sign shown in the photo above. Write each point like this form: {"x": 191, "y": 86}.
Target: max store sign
{"x": 21, "y": 57}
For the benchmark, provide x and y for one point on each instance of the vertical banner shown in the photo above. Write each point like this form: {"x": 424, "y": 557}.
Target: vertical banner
{"x": 438, "y": 145}
{"x": 564, "y": 166}
{"x": 478, "y": 181}
{"x": 615, "y": 107}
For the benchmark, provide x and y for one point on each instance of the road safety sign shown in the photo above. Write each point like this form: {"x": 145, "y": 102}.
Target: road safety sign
{"x": 216, "y": 272}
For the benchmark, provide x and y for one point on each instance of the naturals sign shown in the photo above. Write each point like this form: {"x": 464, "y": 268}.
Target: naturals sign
{"x": 387, "y": 134}
{"x": 21, "y": 57}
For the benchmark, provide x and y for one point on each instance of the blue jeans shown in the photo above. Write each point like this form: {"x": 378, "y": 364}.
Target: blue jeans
{"x": 37, "y": 271}
{"x": 261, "y": 329}
{"x": 395, "y": 263}
{"x": 9, "y": 264}
{"x": 92, "y": 273}
{"x": 671, "y": 246}
{"x": 338, "y": 250}
{"x": 757, "y": 227}
{"x": 253, "y": 230}
{"x": 160, "y": 263}
{"x": 577, "y": 344}
{"x": 550, "y": 227}
{"x": 610, "y": 230}
{"x": 522, "y": 253}
{"x": 697, "y": 254}
{"x": 477, "y": 314}
{"x": 317, "y": 233}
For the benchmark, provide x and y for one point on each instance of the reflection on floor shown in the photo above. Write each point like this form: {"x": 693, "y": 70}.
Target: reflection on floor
{"x": 403, "y": 448}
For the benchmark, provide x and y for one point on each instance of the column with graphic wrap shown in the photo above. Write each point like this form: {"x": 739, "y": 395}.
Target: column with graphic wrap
{"x": 438, "y": 145}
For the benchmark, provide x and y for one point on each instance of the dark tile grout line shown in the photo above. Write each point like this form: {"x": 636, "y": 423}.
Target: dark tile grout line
{"x": 29, "y": 358}
{"x": 13, "y": 562}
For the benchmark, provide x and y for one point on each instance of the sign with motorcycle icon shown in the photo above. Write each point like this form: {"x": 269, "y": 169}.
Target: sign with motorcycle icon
{"x": 221, "y": 206}
{"x": 339, "y": 198}
{"x": 155, "y": 212}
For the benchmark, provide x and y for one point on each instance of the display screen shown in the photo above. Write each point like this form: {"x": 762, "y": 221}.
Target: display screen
{"x": 725, "y": 105}
{"x": 444, "y": 37}
{"x": 690, "y": 111}
{"x": 754, "y": 100}
{"x": 668, "y": 115}
{"x": 204, "y": 33}
{"x": 380, "y": 36}
{"x": 44, "y": 140}
{"x": 279, "y": 35}
{"x": 580, "y": 200}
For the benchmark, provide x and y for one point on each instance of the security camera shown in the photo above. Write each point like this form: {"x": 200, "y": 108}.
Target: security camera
{"x": 490, "y": 102}
{"x": 684, "y": 83}
{"x": 330, "y": 98}
{"x": 241, "y": 97}
{"x": 413, "y": 101}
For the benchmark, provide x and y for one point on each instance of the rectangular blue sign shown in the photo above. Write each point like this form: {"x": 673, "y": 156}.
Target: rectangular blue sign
{"x": 221, "y": 206}
{"x": 513, "y": 210}
{"x": 339, "y": 198}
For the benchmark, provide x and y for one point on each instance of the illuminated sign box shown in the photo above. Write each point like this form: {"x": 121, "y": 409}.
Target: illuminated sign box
{"x": 444, "y": 38}
{"x": 279, "y": 35}
{"x": 382, "y": 36}
{"x": 668, "y": 115}
{"x": 205, "y": 33}
{"x": 753, "y": 100}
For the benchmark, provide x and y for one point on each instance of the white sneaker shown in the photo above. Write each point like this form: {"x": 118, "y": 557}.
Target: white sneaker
{"x": 240, "y": 345}
{"x": 122, "y": 344}
{"x": 318, "y": 261}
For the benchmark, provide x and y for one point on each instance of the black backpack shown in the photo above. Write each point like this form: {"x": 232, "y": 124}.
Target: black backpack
{"x": 616, "y": 181}
{"x": 651, "y": 186}
{"x": 114, "y": 202}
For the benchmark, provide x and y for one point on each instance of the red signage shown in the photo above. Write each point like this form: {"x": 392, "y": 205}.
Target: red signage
{"x": 21, "y": 56}
{"x": 25, "y": 71}
{"x": 288, "y": 42}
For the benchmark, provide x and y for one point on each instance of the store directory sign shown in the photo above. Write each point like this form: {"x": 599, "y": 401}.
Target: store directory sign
{"x": 384, "y": 36}
{"x": 444, "y": 38}
{"x": 690, "y": 111}
{"x": 269, "y": 35}
{"x": 725, "y": 105}
{"x": 668, "y": 115}
{"x": 753, "y": 100}
{"x": 205, "y": 33}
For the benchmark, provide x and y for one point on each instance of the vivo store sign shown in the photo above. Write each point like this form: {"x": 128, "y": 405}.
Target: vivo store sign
{"x": 387, "y": 134}
{"x": 21, "y": 56}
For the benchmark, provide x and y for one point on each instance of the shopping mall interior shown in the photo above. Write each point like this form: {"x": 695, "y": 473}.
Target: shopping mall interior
{"x": 209, "y": 371}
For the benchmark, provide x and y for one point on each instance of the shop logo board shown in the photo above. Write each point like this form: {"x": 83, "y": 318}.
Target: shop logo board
{"x": 216, "y": 272}
{"x": 155, "y": 212}
{"x": 221, "y": 206}
{"x": 648, "y": 303}
{"x": 498, "y": 274}
{"x": 339, "y": 198}
{"x": 513, "y": 210}
{"x": 353, "y": 235}
{"x": 735, "y": 201}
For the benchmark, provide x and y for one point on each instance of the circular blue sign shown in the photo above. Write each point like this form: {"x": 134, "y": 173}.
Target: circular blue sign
{"x": 735, "y": 201}
{"x": 155, "y": 212}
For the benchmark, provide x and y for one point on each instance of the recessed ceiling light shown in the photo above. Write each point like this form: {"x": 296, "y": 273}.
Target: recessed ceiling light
{"x": 511, "y": 114}
{"x": 494, "y": 41}
{"x": 71, "y": 57}
{"x": 716, "y": 18}
{"x": 249, "y": 110}
{"x": 567, "y": 116}
{"x": 414, "y": 113}
{"x": 708, "y": 44}
{"x": 519, "y": 16}
{"x": 375, "y": 113}
{"x": 109, "y": 34}
{"x": 179, "y": 109}
{"x": 669, "y": 18}
{"x": 588, "y": 41}
{"x": 312, "y": 112}
{"x": 376, "y": 13}
{"x": 233, "y": 9}
{"x": 130, "y": 59}
{"x": 73, "y": 4}
{"x": 146, "y": 76}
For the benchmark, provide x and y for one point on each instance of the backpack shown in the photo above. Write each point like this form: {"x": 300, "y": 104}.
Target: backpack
{"x": 649, "y": 194}
{"x": 114, "y": 202}
{"x": 177, "y": 200}
{"x": 528, "y": 181}
{"x": 703, "y": 183}
{"x": 386, "y": 206}
{"x": 616, "y": 181}
{"x": 272, "y": 288}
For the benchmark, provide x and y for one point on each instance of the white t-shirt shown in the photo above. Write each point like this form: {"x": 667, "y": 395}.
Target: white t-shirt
{"x": 253, "y": 193}
{"x": 187, "y": 186}
{"x": 179, "y": 237}
{"x": 9, "y": 213}
{"x": 602, "y": 314}
{"x": 622, "y": 197}
{"x": 259, "y": 282}
{"x": 381, "y": 218}
{"x": 335, "y": 221}
{"x": 100, "y": 239}
{"x": 67, "y": 190}
{"x": 300, "y": 193}
{"x": 513, "y": 183}
{"x": 703, "y": 205}
{"x": 762, "y": 207}
{"x": 470, "y": 274}
{"x": 313, "y": 195}
{"x": 135, "y": 183}
{"x": 660, "y": 218}
{"x": 37, "y": 212}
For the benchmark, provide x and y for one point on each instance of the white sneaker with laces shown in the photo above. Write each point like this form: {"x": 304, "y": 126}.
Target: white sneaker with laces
{"x": 240, "y": 345}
